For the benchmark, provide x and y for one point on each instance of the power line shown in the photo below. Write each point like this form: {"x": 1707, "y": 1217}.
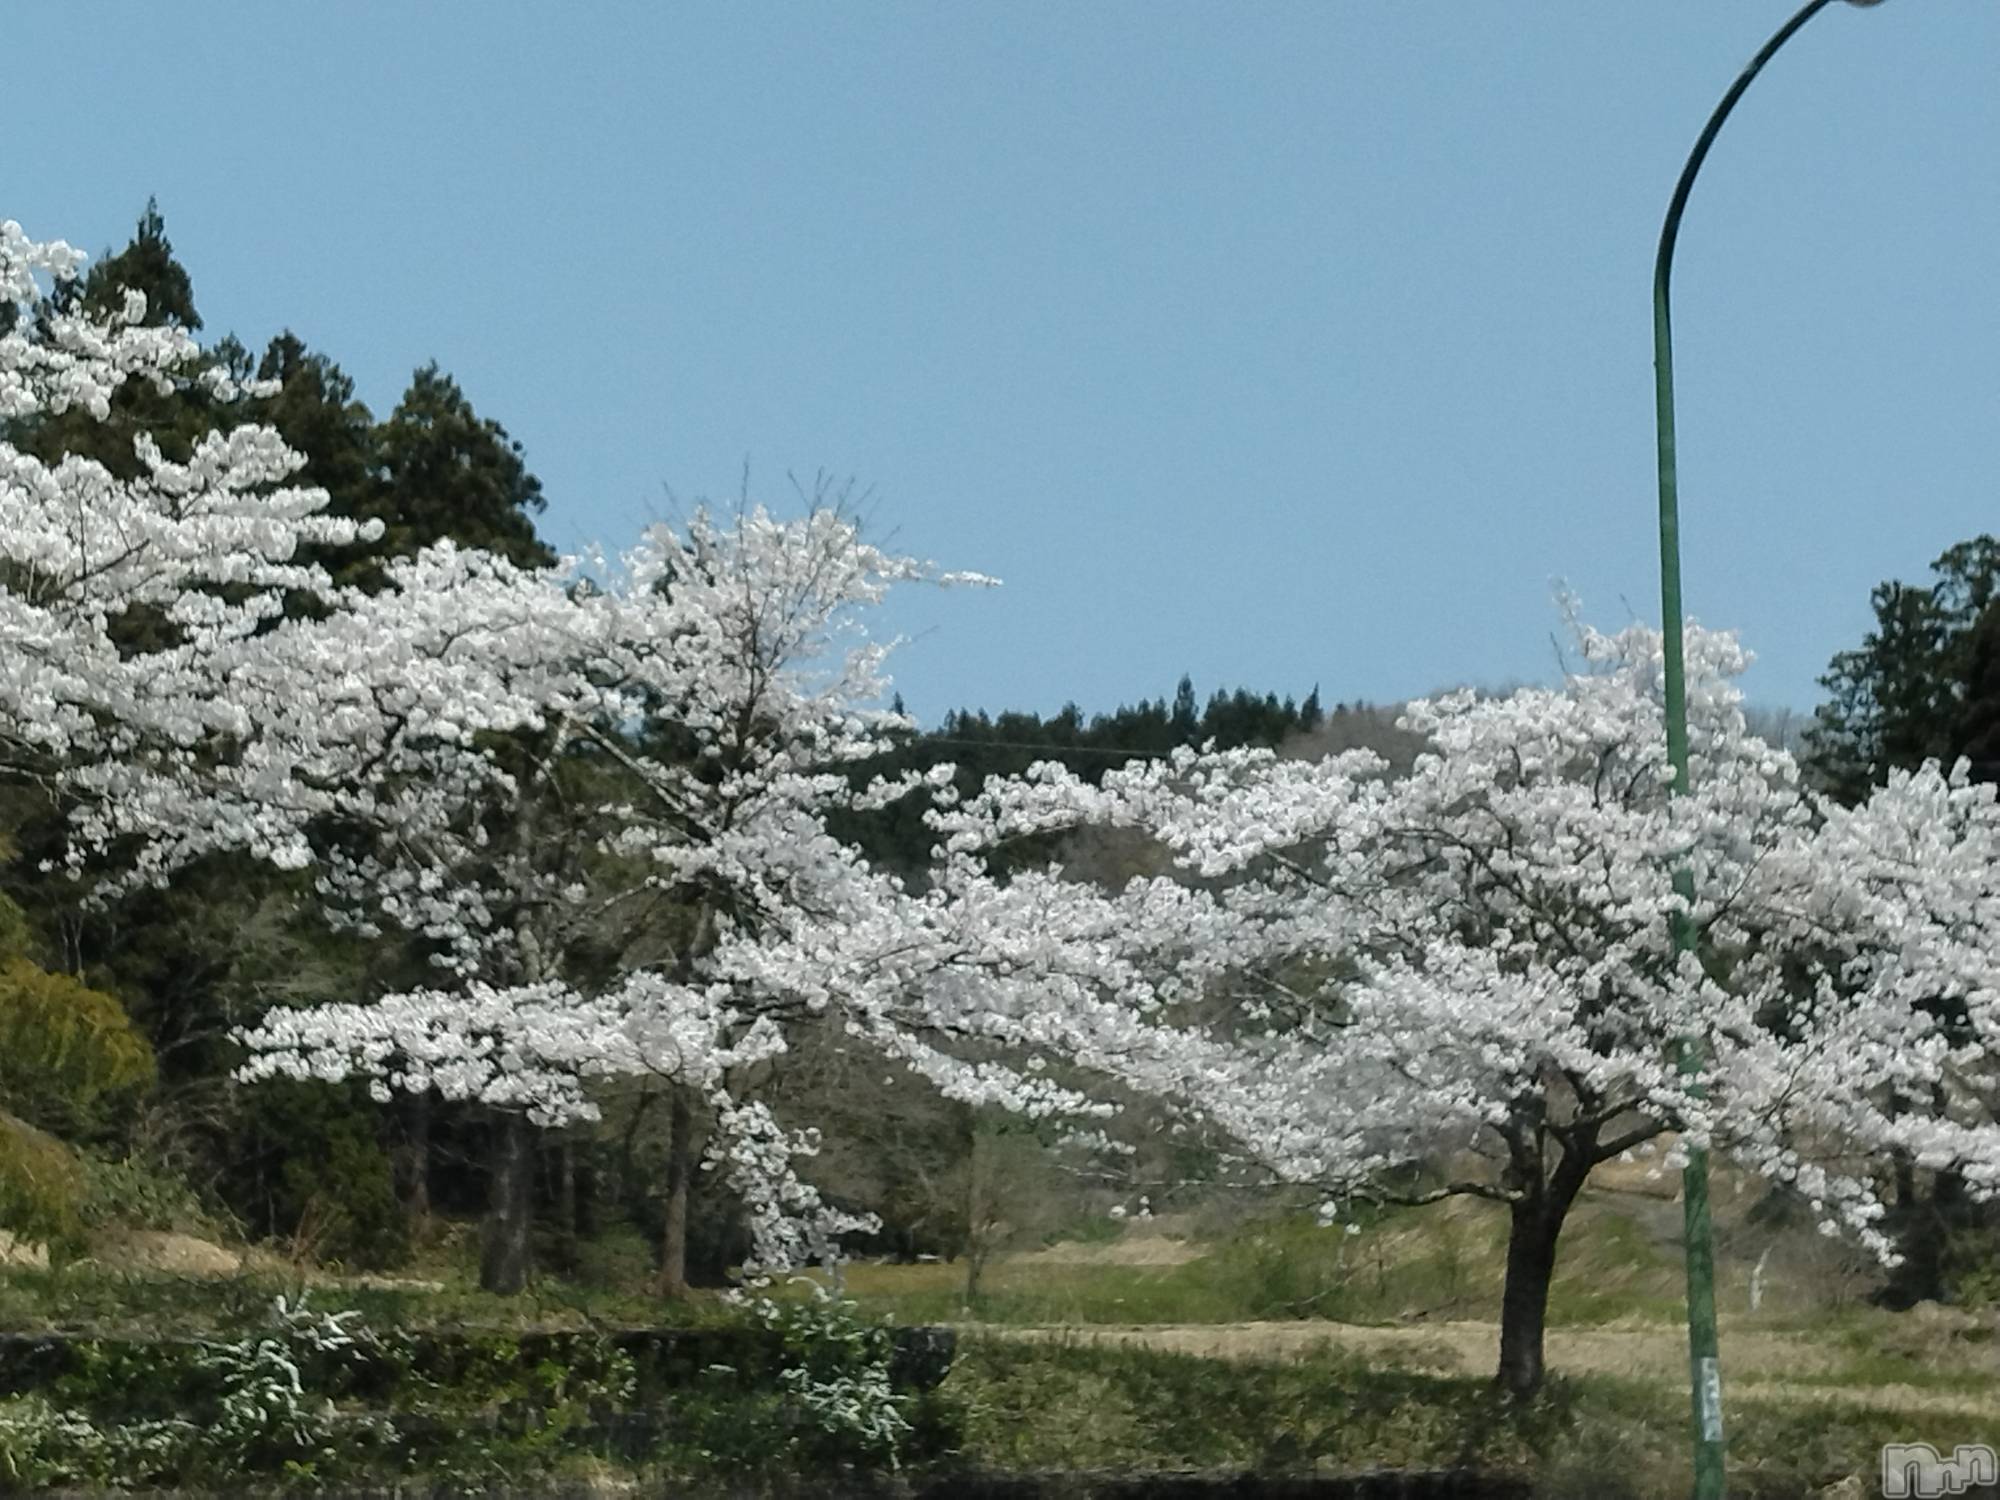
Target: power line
{"x": 932, "y": 739}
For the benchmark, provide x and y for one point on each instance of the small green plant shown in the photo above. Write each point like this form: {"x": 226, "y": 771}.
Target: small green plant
{"x": 271, "y": 1405}
{"x": 836, "y": 1371}
{"x": 829, "y": 1402}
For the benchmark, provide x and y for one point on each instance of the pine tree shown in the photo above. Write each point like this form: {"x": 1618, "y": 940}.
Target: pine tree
{"x": 1898, "y": 699}
{"x": 146, "y": 265}
{"x": 1311, "y": 715}
{"x": 1976, "y": 735}
{"x": 445, "y": 471}
{"x": 1185, "y": 721}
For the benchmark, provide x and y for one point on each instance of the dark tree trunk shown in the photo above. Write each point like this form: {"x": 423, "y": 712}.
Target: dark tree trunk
{"x": 413, "y": 1161}
{"x": 680, "y": 1166}
{"x": 505, "y": 1260}
{"x": 565, "y": 1171}
{"x": 1923, "y": 1225}
{"x": 1537, "y": 1222}
{"x": 586, "y": 1192}
{"x": 979, "y": 1209}
{"x": 1524, "y": 1303}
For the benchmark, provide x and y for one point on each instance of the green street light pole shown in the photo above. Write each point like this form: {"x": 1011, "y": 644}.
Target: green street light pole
{"x": 1705, "y": 1370}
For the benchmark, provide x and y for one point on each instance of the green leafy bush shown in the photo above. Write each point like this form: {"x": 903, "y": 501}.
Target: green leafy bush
{"x": 332, "y": 1192}
{"x": 1972, "y": 1264}
{"x": 67, "y": 1052}
{"x": 836, "y": 1370}
{"x": 41, "y": 1188}
{"x": 135, "y": 1193}
{"x": 831, "y": 1408}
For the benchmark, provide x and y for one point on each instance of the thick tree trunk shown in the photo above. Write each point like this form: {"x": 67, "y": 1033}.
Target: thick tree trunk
{"x": 1924, "y": 1224}
{"x": 1537, "y": 1222}
{"x": 672, "y": 1282}
{"x": 680, "y": 1168}
{"x": 1524, "y": 1302}
{"x": 505, "y": 1260}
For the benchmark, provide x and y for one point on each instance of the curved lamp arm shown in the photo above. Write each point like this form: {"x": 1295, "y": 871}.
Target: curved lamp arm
{"x": 1663, "y": 394}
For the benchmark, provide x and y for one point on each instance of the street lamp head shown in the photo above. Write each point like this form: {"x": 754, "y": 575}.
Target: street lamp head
{"x": 1864, "y": 2}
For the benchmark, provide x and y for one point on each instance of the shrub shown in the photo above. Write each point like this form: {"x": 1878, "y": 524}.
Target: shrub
{"x": 66, "y": 1050}
{"x": 328, "y": 1186}
{"x": 140, "y": 1194}
{"x": 41, "y": 1188}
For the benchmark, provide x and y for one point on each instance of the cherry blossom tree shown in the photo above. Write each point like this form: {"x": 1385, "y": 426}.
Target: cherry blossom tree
{"x": 1460, "y": 980}
{"x": 409, "y": 747}
{"x": 206, "y": 542}
{"x": 422, "y": 749}
{"x": 514, "y": 764}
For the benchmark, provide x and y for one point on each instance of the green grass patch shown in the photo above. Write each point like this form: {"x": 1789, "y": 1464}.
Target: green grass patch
{"x": 1442, "y": 1262}
{"x": 312, "y": 1398}
{"x": 89, "y": 1298}
{"x": 1051, "y": 1406}
{"x": 1055, "y": 1406}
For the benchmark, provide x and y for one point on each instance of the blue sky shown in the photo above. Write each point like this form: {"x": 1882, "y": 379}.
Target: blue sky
{"x": 1280, "y": 344}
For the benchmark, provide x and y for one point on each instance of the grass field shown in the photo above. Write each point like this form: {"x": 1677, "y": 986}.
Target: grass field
{"x": 1598, "y": 1437}
{"x": 1620, "y": 1263}
{"x": 1282, "y": 1344}
{"x": 1271, "y": 1344}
